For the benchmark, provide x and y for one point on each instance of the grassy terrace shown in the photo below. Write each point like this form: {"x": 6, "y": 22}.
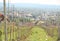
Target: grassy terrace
{"x": 34, "y": 33}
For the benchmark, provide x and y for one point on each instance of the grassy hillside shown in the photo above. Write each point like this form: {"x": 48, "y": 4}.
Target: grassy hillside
{"x": 39, "y": 34}
{"x": 35, "y": 33}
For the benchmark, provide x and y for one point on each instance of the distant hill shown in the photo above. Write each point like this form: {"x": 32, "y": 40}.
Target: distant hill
{"x": 31, "y": 5}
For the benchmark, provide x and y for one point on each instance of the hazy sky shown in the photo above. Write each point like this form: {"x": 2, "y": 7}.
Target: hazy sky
{"x": 49, "y": 2}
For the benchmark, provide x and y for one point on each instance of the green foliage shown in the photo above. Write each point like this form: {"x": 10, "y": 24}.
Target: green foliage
{"x": 0, "y": 35}
{"x": 37, "y": 33}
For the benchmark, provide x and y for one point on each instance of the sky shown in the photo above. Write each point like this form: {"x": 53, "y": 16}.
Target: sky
{"x": 48, "y": 2}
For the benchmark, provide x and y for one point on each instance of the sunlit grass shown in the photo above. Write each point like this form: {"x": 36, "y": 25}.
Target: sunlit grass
{"x": 35, "y": 33}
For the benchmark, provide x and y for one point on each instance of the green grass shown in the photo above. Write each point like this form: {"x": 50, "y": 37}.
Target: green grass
{"x": 39, "y": 34}
{"x": 36, "y": 33}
